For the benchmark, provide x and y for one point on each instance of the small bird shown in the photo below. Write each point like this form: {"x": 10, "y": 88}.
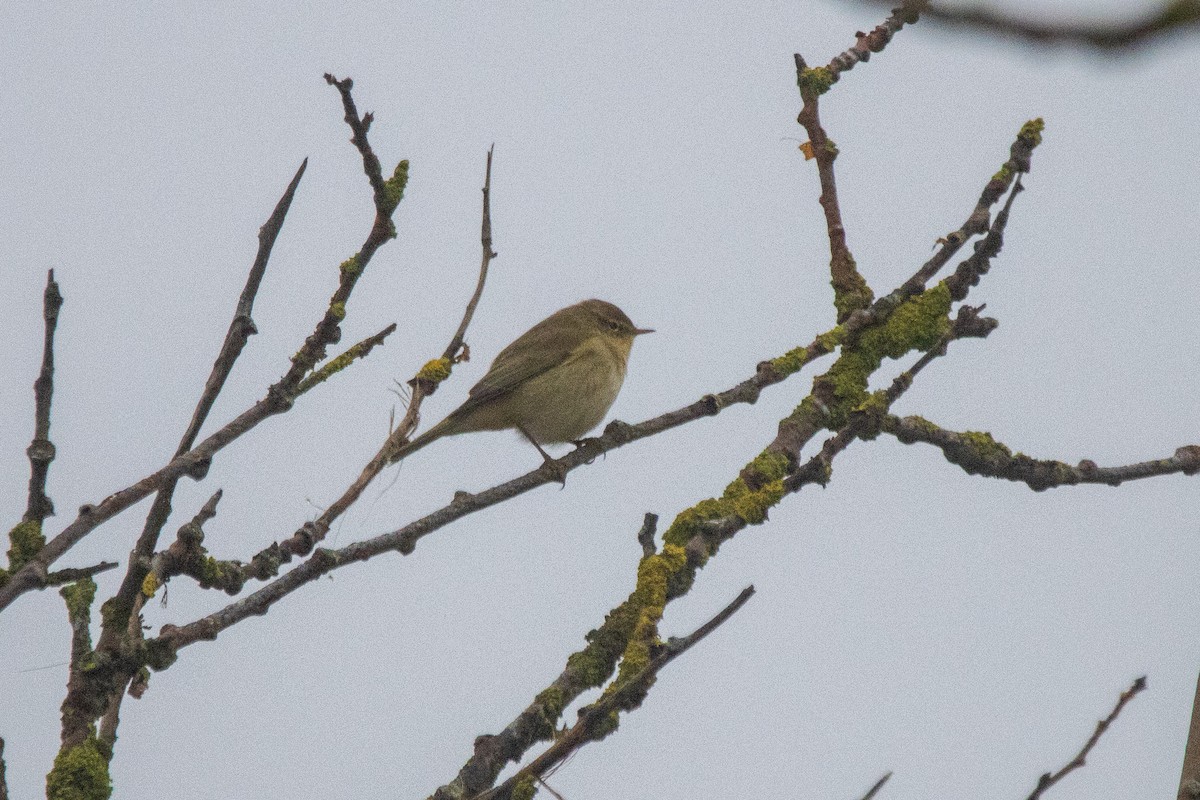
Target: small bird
{"x": 553, "y": 384}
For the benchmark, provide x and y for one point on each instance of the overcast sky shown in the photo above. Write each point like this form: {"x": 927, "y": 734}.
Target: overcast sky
{"x": 964, "y": 632}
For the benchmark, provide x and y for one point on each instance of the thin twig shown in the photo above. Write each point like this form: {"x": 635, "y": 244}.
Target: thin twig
{"x": 851, "y": 292}
{"x": 592, "y": 725}
{"x": 456, "y": 341}
{"x": 339, "y": 362}
{"x": 41, "y": 449}
{"x": 64, "y": 576}
{"x": 359, "y": 127}
{"x": 874, "y": 790}
{"x": 541, "y": 782}
{"x": 1049, "y": 779}
{"x": 241, "y": 327}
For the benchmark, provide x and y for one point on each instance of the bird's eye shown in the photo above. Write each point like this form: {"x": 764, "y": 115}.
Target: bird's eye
{"x": 613, "y": 325}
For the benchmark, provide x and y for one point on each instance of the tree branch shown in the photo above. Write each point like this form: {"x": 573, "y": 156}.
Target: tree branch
{"x": 629, "y": 631}
{"x": 485, "y": 238}
{"x": 41, "y": 449}
{"x": 1049, "y": 779}
{"x": 850, "y": 290}
{"x": 1189, "y": 775}
{"x": 1175, "y": 17}
{"x": 338, "y": 363}
{"x": 599, "y": 719}
{"x": 279, "y": 396}
{"x": 615, "y": 435}
{"x": 266, "y": 562}
{"x": 980, "y": 454}
{"x": 241, "y": 328}
{"x": 874, "y": 790}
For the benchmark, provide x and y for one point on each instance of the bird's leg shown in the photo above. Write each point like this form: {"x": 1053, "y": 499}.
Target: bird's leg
{"x": 560, "y": 473}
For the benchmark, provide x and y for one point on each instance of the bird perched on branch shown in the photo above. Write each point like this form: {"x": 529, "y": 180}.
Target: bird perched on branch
{"x": 553, "y": 384}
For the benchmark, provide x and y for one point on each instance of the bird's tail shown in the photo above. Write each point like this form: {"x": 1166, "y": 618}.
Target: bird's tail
{"x": 408, "y": 448}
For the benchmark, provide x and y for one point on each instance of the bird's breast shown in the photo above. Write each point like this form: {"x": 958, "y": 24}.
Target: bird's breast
{"x": 572, "y": 398}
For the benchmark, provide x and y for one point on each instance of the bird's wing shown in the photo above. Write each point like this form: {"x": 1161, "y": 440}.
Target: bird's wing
{"x": 540, "y": 349}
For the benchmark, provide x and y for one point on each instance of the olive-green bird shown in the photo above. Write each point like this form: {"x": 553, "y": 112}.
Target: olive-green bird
{"x": 553, "y": 384}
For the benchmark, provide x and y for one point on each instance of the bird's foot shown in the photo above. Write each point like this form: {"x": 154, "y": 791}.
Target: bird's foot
{"x": 555, "y": 470}
{"x": 589, "y": 443}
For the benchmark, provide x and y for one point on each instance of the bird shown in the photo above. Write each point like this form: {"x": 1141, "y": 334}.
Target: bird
{"x": 553, "y": 384}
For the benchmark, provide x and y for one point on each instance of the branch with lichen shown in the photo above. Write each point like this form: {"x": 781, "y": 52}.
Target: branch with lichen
{"x": 916, "y": 322}
{"x": 404, "y": 539}
{"x": 339, "y": 362}
{"x": 241, "y": 328}
{"x": 850, "y": 289}
{"x": 909, "y": 318}
{"x": 599, "y": 719}
{"x": 122, "y": 657}
{"x": 188, "y": 556}
{"x": 195, "y": 460}
{"x": 978, "y": 453}
{"x": 26, "y": 538}
{"x": 628, "y": 638}
{"x": 267, "y": 562}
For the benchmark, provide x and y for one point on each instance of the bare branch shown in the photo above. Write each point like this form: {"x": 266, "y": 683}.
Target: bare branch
{"x": 64, "y": 576}
{"x": 1189, "y": 776}
{"x": 241, "y": 327}
{"x": 598, "y": 720}
{"x": 874, "y": 790}
{"x": 41, "y": 449}
{"x": 266, "y": 563}
{"x": 359, "y": 127}
{"x": 451, "y": 351}
{"x": 645, "y": 536}
{"x": 188, "y": 556}
{"x": 1049, "y": 779}
{"x": 1170, "y": 18}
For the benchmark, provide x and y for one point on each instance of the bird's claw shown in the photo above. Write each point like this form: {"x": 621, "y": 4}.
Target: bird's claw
{"x": 556, "y": 471}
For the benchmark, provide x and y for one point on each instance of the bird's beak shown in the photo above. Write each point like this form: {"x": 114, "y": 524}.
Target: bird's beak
{"x": 640, "y": 331}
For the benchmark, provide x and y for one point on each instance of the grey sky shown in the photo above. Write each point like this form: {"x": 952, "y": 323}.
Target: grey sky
{"x": 961, "y": 631}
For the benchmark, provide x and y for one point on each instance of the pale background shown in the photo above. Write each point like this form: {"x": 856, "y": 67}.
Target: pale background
{"x": 961, "y": 631}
